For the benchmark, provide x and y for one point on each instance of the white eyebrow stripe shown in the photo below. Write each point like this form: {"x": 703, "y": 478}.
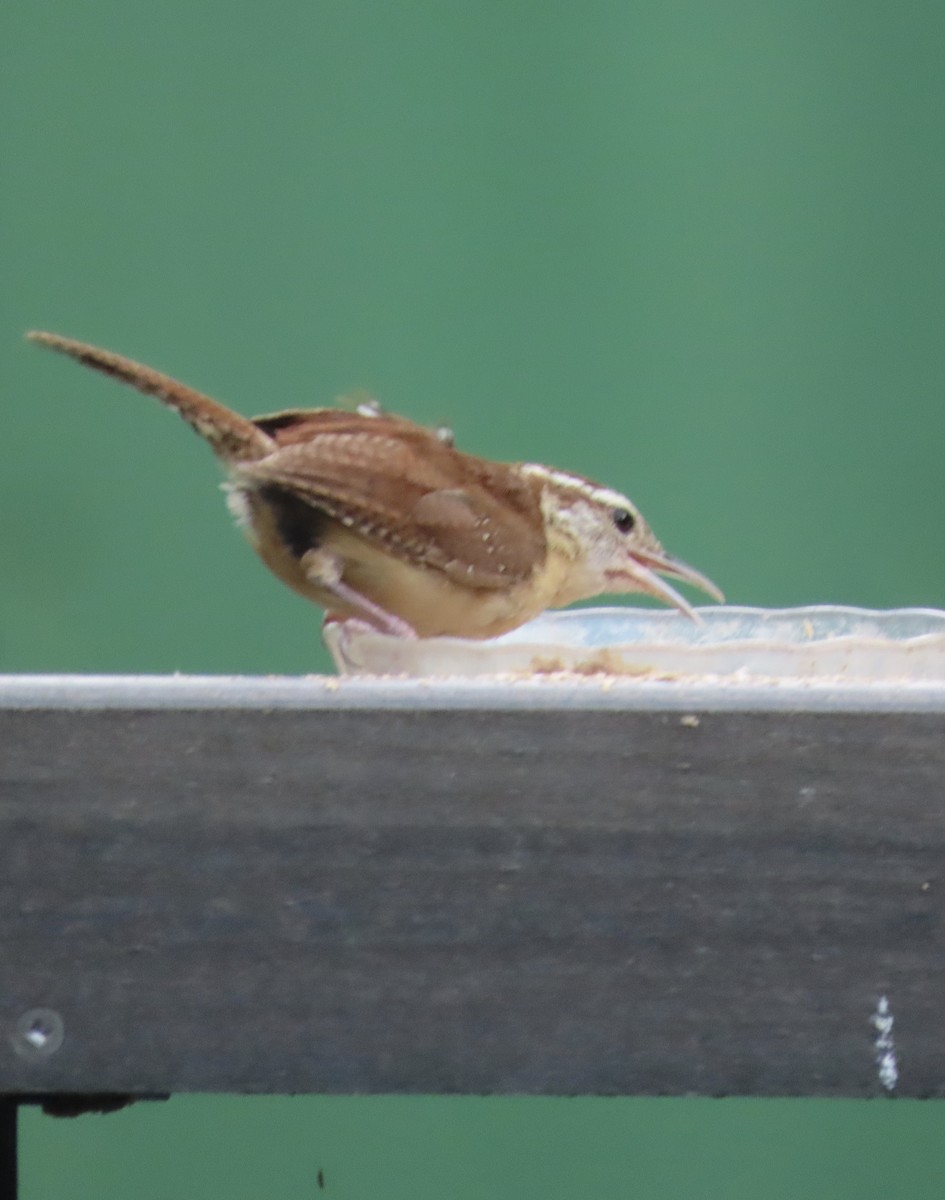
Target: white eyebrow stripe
{"x": 582, "y": 487}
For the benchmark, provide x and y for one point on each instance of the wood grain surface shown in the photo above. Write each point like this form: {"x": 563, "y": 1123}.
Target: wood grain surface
{"x": 419, "y": 900}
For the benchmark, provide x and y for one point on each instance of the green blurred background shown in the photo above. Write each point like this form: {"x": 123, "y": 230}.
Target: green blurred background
{"x": 694, "y": 249}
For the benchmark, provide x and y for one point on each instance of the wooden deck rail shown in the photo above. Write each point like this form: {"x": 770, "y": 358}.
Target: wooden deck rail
{"x": 290, "y": 885}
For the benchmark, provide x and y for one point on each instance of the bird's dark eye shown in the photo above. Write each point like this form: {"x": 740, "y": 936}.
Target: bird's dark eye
{"x": 624, "y": 520}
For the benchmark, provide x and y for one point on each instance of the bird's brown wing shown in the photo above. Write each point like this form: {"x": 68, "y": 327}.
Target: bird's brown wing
{"x": 398, "y": 486}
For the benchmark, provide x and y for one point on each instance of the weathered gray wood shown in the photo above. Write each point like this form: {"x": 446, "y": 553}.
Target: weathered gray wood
{"x": 604, "y": 898}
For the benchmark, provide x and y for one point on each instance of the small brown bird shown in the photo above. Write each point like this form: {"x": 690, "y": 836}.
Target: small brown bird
{"x": 376, "y": 518}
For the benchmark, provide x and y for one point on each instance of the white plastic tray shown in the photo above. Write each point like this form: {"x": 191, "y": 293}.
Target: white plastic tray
{"x": 817, "y": 642}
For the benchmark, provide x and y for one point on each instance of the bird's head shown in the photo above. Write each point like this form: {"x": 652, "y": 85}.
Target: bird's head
{"x": 608, "y": 545}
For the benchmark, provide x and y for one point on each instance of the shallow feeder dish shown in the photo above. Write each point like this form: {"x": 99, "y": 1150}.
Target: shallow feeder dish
{"x": 816, "y": 642}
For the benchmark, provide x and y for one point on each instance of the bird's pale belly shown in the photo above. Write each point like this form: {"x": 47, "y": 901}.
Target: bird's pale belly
{"x": 429, "y": 601}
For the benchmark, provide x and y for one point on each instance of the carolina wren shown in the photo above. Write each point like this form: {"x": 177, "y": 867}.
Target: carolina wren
{"x": 374, "y": 517}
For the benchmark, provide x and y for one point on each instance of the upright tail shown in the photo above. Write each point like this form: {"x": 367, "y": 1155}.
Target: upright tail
{"x": 232, "y": 437}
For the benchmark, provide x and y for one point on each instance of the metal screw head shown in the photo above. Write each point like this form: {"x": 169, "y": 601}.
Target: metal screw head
{"x": 38, "y": 1033}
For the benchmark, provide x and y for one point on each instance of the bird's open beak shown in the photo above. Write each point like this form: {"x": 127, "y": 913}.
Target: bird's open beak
{"x": 642, "y": 569}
